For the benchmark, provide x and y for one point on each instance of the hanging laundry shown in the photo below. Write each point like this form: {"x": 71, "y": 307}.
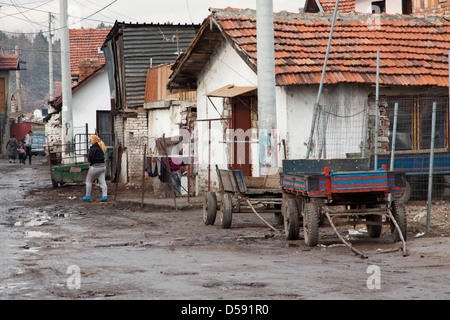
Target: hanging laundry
{"x": 174, "y": 165}
{"x": 151, "y": 167}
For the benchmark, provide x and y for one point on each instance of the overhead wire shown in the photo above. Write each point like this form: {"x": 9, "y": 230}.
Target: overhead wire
{"x": 81, "y": 19}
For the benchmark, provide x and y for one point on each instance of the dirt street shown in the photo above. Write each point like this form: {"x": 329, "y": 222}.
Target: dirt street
{"x": 55, "y": 246}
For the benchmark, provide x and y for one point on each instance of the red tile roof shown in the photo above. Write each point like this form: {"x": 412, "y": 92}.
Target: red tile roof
{"x": 414, "y": 51}
{"x": 9, "y": 62}
{"x": 84, "y": 44}
{"x": 344, "y": 5}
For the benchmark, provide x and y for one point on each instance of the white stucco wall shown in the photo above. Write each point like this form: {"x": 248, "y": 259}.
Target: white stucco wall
{"x": 166, "y": 121}
{"x": 88, "y": 100}
{"x": 225, "y": 67}
{"x": 344, "y": 100}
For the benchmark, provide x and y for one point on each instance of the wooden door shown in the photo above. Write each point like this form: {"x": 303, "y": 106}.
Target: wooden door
{"x": 2, "y": 95}
{"x": 241, "y": 125}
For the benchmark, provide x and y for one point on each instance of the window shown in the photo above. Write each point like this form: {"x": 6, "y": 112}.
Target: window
{"x": 414, "y": 122}
{"x": 407, "y": 6}
{"x": 378, "y": 6}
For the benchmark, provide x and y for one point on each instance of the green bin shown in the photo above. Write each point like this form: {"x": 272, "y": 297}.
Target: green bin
{"x": 69, "y": 174}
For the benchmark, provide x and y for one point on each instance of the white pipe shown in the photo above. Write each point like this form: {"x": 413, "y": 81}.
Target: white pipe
{"x": 67, "y": 115}
{"x": 267, "y": 115}
{"x": 430, "y": 175}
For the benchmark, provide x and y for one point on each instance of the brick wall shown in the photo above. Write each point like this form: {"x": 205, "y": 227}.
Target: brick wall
{"x": 136, "y": 136}
{"x": 383, "y": 126}
{"x": 434, "y": 7}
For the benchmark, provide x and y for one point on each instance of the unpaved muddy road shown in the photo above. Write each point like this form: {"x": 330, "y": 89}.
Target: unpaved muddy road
{"x": 54, "y": 246}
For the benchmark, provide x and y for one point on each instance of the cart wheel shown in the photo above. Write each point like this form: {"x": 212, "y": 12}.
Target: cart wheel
{"x": 54, "y": 184}
{"x": 405, "y": 196}
{"x": 209, "y": 208}
{"x": 311, "y": 220}
{"x": 226, "y": 211}
{"x": 291, "y": 219}
{"x": 374, "y": 231}
{"x": 399, "y": 213}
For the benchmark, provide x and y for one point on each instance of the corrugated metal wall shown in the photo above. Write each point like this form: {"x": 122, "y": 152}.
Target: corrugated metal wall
{"x": 146, "y": 43}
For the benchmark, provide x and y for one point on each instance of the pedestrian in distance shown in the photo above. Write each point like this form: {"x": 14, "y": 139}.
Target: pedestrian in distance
{"x": 28, "y": 141}
{"x": 22, "y": 153}
{"x": 12, "y": 149}
{"x": 97, "y": 170}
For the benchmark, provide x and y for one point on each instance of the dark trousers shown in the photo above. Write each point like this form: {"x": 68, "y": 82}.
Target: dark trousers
{"x": 28, "y": 151}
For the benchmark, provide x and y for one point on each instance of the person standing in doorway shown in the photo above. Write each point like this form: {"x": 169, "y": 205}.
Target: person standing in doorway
{"x": 97, "y": 171}
{"x": 12, "y": 149}
{"x": 28, "y": 141}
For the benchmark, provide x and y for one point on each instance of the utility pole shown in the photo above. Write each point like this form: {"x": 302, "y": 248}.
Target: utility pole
{"x": 18, "y": 84}
{"x": 267, "y": 111}
{"x": 50, "y": 58}
{"x": 67, "y": 116}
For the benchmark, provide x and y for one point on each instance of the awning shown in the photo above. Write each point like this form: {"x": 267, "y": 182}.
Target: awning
{"x": 231, "y": 91}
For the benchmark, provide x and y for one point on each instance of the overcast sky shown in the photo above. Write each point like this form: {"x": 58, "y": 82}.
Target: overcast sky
{"x": 31, "y": 16}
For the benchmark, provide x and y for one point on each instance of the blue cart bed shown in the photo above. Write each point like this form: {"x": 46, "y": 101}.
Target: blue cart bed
{"x": 338, "y": 178}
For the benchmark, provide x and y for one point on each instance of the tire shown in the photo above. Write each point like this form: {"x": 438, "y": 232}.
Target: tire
{"x": 311, "y": 219}
{"x": 374, "y": 231}
{"x": 226, "y": 211}
{"x": 405, "y": 196}
{"x": 210, "y": 208}
{"x": 399, "y": 213}
{"x": 291, "y": 219}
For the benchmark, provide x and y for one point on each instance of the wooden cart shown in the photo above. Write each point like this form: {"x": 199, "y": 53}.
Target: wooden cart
{"x": 235, "y": 197}
{"x": 344, "y": 190}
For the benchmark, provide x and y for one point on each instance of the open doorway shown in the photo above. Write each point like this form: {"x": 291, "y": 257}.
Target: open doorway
{"x": 242, "y": 109}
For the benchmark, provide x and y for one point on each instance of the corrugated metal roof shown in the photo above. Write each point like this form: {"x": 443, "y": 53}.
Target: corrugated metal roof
{"x": 146, "y": 45}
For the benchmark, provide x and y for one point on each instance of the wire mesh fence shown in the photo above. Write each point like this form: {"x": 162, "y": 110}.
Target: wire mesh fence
{"x": 414, "y": 143}
{"x": 339, "y": 130}
{"x": 356, "y": 129}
